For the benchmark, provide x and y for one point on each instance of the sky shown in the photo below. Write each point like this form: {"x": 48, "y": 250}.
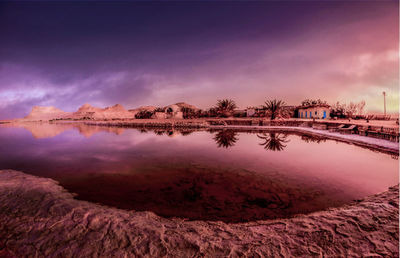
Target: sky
{"x": 65, "y": 54}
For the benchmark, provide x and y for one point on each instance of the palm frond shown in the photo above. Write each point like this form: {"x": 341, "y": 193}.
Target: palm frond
{"x": 226, "y": 138}
{"x": 274, "y": 141}
{"x": 274, "y": 107}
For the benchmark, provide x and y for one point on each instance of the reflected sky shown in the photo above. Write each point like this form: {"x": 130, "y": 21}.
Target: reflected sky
{"x": 224, "y": 175}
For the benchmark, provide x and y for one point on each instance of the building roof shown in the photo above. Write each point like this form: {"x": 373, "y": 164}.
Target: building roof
{"x": 314, "y": 105}
{"x": 256, "y": 107}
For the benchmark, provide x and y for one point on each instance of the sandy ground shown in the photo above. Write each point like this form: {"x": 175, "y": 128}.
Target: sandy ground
{"x": 38, "y": 218}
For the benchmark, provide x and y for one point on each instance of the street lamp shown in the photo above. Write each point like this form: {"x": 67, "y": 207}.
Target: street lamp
{"x": 384, "y": 102}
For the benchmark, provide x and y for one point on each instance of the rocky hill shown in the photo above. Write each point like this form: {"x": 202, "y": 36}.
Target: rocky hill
{"x": 143, "y": 108}
{"x": 186, "y": 105}
{"x": 47, "y": 113}
{"x": 90, "y": 112}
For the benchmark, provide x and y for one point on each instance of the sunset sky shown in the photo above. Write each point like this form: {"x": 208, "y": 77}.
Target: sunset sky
{"x": 157, "y": 53}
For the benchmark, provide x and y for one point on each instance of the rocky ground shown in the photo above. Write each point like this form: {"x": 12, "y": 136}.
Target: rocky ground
{"x": 38, "y": 218}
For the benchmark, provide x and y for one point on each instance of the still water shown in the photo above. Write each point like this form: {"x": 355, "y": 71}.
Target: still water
{"x": 223, "y": 175}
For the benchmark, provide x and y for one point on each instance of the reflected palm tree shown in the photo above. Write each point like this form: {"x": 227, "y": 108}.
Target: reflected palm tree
{"x": 273, "y": 141}
{"x": 226, "y": 138}
{"x": 172, "y": 133}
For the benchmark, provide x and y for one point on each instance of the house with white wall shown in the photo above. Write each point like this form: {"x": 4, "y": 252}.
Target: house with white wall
{"x": 317, "y": 111}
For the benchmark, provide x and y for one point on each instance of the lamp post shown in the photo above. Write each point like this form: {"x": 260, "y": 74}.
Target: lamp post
{"x": 384, "y": 103}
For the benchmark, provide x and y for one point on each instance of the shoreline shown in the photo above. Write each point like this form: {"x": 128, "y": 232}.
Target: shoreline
{"x": 241, "y": 124}
{"x": 362, "y": 141}
{"x": 38, "y": 217}
{"x": 391, "y": 147}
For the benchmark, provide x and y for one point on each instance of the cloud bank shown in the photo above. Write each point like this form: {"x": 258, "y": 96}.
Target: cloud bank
{"x": 67, "y": 54}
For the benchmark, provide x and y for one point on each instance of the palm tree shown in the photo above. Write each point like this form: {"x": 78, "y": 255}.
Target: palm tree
{"x": 273, "y": 141}
{"x": 212, "y": 112}
{"x": 226, "y": 138}
{"x": 225, "y": 107}
{"x": 274, "y": 107}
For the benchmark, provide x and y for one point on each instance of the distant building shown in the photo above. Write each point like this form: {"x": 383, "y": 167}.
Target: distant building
{"x": 176, "y": 110}
{"x": 318, "y": 111}
{"x": 250, "y": 112}
{"x": 255, "y": 111}
{"x": 173, "y": 111}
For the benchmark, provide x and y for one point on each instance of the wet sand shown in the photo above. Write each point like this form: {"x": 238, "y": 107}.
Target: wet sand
{"x": 39, "y": 218}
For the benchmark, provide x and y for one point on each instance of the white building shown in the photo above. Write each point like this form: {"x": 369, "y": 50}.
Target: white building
{"x": 173, "y": 111}
{"x": 317, "y": 111}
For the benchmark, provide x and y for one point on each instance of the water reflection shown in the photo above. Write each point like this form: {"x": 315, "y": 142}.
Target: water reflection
{"x": 41, "y": 130}
{"x": 313, "y": 138}
{"x": 202, "y": 192}
{"x": 193, "y": 176}
{"x": 186, "y": 132}
{"x": 273, "y": 141}
{"x": 143, "y": 130}
{"x": 50, "y": 130}
{"x": 226, "y": 138}
{"x": 169, "y": 132}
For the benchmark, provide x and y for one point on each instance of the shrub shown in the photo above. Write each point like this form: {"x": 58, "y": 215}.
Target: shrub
{"x": 144, "y": 114}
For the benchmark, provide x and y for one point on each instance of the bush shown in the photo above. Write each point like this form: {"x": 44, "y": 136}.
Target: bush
{"x": 160, "y": 109}
{"x": 144, "y": 114}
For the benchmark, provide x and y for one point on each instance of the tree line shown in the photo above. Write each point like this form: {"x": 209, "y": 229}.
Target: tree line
{"x": 273, "y": 109}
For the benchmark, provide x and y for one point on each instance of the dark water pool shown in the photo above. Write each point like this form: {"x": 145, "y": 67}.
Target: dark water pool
{"x": 222, "y": 175}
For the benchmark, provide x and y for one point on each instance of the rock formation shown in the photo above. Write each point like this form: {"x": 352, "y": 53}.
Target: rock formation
{"x": 89, "y": 112}
{"x": 47, "y": 113}
{"x": 185, "y": 105}
{"x": 143, "y": 108}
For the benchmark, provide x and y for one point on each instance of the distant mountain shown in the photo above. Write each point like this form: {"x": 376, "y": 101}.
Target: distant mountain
{"x": 88, "y": 111}
{"x": 46, "y": 113}
{"x": 87, "y": 108}
{"x": 143, "y": 108}
{"x": 186, "y": 105}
